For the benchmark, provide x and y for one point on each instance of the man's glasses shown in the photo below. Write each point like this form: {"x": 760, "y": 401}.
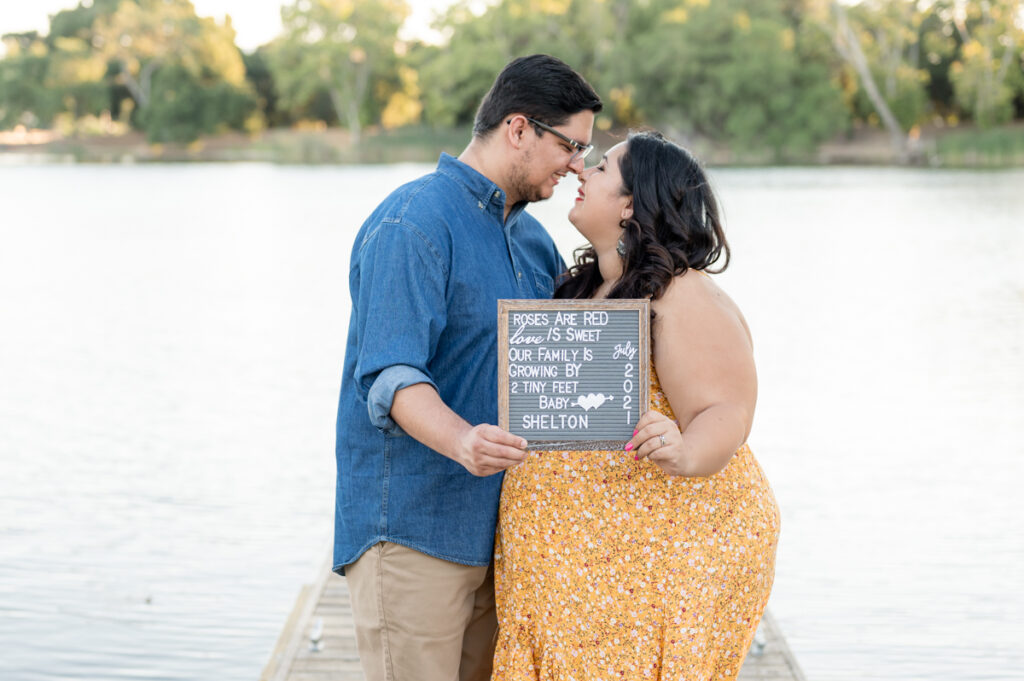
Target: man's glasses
{"x": 580, "y": 150}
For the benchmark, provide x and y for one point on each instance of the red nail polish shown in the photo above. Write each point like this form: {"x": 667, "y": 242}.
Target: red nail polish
{"x": 636, "y": 458}
{"x": 629, "y": 446}
{"x": 635, "y": 432}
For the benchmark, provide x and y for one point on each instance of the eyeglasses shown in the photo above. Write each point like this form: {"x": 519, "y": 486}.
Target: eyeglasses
{"x": 580, "y": 150}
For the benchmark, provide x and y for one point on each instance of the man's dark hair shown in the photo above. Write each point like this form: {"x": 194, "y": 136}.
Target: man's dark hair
{"x": 539, "y": 86}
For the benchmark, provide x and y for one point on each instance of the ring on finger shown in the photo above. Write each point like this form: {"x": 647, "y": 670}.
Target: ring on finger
{"x": 662, "y": 438}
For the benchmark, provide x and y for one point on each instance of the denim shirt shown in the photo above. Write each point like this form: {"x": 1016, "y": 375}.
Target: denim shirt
{"x": 427, "y": 269}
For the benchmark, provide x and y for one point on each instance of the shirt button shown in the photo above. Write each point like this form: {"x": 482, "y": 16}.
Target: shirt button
{"x": 497, "y": 195}
{"x": 480, "y": 205}
{"x": 519, "y": 274}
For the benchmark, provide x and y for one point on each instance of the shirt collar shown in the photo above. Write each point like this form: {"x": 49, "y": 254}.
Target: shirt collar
{"x": 489, "y": 196}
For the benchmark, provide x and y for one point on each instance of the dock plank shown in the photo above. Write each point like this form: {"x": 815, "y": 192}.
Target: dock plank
{"x": 324, "y": 607}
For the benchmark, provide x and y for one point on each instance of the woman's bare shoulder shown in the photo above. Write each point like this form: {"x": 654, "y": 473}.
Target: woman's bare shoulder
{"x": 694, "y": 300}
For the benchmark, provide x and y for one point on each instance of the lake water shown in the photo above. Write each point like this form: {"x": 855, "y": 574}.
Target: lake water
{"x": 171, "y": 340}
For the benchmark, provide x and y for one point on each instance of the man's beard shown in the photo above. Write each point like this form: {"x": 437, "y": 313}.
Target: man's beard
{"x": 520, "y": 188}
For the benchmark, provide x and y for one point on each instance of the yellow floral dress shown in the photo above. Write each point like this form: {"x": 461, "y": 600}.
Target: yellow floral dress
{"x": 607, "y": 568}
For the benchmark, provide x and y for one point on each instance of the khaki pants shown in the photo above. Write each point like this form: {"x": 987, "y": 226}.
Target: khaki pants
{"x": 420, "y": 618}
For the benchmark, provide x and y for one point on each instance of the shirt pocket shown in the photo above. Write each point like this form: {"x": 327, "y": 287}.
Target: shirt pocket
{"x": 545, "y": 285}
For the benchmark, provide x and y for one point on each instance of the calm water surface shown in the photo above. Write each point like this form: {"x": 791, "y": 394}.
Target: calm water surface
{"x": 171, "y": 340}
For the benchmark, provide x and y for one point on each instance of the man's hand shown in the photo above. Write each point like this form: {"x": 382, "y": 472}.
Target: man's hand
{"x": 485, "y": 450}
{"x": 482, "y": 450}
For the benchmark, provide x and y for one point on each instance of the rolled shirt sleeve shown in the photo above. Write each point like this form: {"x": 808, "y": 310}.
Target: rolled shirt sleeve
{"x": 382, "y": 394}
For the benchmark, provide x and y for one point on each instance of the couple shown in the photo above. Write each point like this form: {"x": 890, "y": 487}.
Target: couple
{"x": 654, "y": 561}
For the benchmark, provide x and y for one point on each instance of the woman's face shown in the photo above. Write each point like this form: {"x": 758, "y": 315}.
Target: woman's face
{"x": 601, "y": 205}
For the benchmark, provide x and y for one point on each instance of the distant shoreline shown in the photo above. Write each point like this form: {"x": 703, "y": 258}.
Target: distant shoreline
{"x": 963, "y": 147}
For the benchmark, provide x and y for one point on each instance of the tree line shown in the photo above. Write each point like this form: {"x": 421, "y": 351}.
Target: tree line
{"x": 780, "y": 76}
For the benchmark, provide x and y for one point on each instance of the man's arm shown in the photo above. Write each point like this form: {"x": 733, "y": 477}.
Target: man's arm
{"x": 397, "y": 341}
{"x": 482, "y": 450}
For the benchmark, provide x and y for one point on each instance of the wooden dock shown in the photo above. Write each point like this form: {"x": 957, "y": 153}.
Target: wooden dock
{"x": 318, "y": 642}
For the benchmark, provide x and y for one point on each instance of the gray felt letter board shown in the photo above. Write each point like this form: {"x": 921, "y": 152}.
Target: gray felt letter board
{"x": 573, "y": 374}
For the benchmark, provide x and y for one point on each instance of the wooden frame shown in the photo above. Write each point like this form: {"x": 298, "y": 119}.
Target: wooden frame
{"x": 640, "y": 334}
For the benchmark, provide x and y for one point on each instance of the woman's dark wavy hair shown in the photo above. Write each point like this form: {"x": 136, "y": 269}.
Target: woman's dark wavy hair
{"x": 674, "y": 227}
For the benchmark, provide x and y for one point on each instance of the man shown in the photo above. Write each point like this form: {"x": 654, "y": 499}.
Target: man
{"x": 418, "y": 461}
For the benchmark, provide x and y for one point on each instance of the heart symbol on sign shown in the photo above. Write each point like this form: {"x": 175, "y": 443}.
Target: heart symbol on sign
{"x": 592, "y": 400}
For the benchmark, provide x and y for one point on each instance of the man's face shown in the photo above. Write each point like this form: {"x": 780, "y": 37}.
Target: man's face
{"x": 547, "y": 159}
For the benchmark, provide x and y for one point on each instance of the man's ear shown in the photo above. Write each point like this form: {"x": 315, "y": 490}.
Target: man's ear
{"x": 627, "y": 210}
{"x": 516, "y": 125}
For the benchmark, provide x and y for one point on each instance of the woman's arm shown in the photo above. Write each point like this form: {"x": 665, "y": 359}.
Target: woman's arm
{"x": 705, "y": 363}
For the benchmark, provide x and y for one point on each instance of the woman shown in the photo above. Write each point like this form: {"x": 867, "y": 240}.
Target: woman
{"x": 657, "y": 561}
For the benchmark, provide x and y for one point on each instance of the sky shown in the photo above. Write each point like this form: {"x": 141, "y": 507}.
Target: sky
{"x": 256, "y": 21}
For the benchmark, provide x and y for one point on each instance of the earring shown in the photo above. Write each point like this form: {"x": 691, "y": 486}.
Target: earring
{"x": 620, "y": 248}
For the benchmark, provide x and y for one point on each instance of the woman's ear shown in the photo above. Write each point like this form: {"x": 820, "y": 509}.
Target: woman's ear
{"x": 627, "y": 210}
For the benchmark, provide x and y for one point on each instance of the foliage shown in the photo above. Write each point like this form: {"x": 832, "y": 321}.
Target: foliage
{"x": 953, "y": 58}
{"x": 987, "y": 75}
{"x": 993, "y": 148}
{"x": 344, "y": 49}
{"x": 97, "y": 56}
{"x": 891, "y": 38}
{"x": 22, "y": 98}
{"x": 182, "y": 106}
{"x": 261, "y": 81}
{"x": 455, "y": 77}
{"x": 182, "y": 71}
{"x": 939, "y": 47}
{"x": 732, "y": 70}
{"x": 78, "y": 22}
{"x": 772, "y": 78}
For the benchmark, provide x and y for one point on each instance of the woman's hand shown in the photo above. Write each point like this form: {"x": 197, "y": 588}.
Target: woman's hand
{"x": 657, "y": 438}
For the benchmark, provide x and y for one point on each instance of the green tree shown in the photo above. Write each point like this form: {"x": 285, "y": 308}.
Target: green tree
{"x": 848, "y": 39}
{"x": 889, "y": 32}
{"x": 84, "y": 83}
{"x": 24, "y": 99}
{"x": 261, "y": 80}
{"x": 455, "y": 76}
{"x": 940, "y": 45}
{"x": 344, "y": 49}
{"x": 111, "y": 51}
{"x": 182, "y": 106}
{"x": 79, "y": 21}
{"x": 748, "y": 73}
{"x": 142, "y": 37}
{"x": 987, "y": 74}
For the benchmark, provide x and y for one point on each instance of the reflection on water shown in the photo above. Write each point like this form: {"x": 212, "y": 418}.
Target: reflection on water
{"x": 172, "y": 344}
